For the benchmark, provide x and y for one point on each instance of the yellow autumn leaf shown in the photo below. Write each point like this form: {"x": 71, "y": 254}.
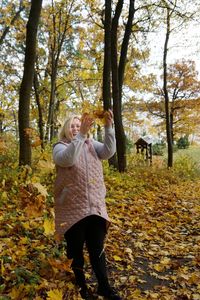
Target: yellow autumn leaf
{"x": 55, "y": 295}
{"x": 117, "y": 258}
{"x": 49, "y": 227}
{"x": 154, "y": 295}
{"x": 165, "y": 261}
{"x": 36, "y": 142}
{"x": 46, "y": 165}
{"x": 23, "y": 241}
{"x": 2, "y": 268}
{"x": 61, "y": 265}
{"x": 136, "y": 293}
{"x": 41, "y": 189}
{"x": 70, "y": 285}
{"x": 194, "y": 278}
{"x": 18, "y": 292}
{"x": 159, "y": 267}
{"x": 4, "y": 196}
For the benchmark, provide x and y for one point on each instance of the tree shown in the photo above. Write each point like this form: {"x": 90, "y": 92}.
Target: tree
{"x": 107, "y": 55}
{"x": 14, "y": 16}
{"x": 171, "y": 10}
{"x": 27, "y": 82}
{"x": 184, "y": 105}
{"x": 165, "y": 90}
{"x": 118, "y": 70}
{"x": 60, "y": 25}
{"x": 60, "y": 66}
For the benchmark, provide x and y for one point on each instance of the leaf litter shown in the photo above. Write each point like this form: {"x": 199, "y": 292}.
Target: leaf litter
{"x": 152, "y": 248}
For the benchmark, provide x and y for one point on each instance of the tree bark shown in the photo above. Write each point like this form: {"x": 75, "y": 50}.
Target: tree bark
{"x": 120, "y": 135}
{"x": 107, "y": 103}
{"x": 50, "y": 121}
{"x": 107, "y": 55}
{"x": 166, "y": 96}
{"x": 125, "y": 43}
{"x": 27, "y": 82}
{"x": 40, "y": 115}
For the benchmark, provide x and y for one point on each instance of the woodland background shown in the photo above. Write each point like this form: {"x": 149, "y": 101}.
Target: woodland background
{"x": 65, "y": 57}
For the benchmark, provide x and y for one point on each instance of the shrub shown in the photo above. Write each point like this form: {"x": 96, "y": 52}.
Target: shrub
{"x": 158, "y": 149}
{"x": 186, "y": 167}
{"x": 129, "y": 145}
{"x": 183, "y": 142}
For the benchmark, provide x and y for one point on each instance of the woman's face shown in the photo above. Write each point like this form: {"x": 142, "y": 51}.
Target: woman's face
{"x": 75, "y": 127}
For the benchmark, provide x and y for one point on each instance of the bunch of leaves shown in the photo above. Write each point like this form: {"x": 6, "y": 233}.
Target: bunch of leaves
{"x": 95, "y": 111}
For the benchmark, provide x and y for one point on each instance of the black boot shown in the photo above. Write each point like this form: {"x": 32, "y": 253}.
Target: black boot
{"x": 81, "y": 282}
{"x": 109, "y": 293}
{"x": 85, "y": 293}
{"x": 79, "y": 277}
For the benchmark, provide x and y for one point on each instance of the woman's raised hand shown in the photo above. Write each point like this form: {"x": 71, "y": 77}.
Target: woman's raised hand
{"x": 108, "y": 116}
{"x": 86, "y": 123}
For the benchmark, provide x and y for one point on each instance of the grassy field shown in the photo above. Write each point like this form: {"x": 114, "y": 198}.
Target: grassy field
{"x": 192, "y": 151}
{"x": 191, "y": 154}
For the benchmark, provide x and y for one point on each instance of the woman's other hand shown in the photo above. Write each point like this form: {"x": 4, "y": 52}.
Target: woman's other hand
{"x": 86, "y": 123}
{"x": 108, "y": 116}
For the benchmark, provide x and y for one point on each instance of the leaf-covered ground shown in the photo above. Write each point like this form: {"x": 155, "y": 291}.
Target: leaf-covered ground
{"x": 153, "y": 244}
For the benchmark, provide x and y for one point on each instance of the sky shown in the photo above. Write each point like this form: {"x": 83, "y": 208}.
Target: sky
{"x": 184, "y": 45}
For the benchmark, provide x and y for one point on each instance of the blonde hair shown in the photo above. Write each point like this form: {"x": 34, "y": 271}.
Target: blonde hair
{"x": 65, "y": 132}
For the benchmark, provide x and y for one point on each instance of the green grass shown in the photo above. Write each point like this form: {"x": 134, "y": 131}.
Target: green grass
{"x": 192, "y": 151}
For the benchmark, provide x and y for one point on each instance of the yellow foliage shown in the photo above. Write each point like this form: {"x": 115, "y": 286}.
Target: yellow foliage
{"x": 153, "y": 234}
{"x": 45, "y": 165}
{"x": 61, "y": 265}
{"x": 3, "y": 146}
{"x": 55, "y": 295}
{"x": 36, "y": 142}
{"x": 49, "y": 227}
{"x": 41, "y": 189}
{"x": 18, "y": 293}
{"x": 2, "y": 268}
{"x": 117, "y": 258}
{"x": 95, "y": 111}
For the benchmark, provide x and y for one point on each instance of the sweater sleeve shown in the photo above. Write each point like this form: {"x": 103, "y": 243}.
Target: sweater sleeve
{"x": 106, "y": 149}
{"x": 65, "y": 155}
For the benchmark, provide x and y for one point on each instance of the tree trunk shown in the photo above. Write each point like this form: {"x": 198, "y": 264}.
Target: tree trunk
{"x": 167, "y": 108}
{"x": 125, "y": 43}
{"x": 107, "y": 55}
{"x": 120, "y": 135}
{"x": 40, "y": 116}
{"x": 107, "y": 104}
{"x": 27, "y": 82}
{"x": 50, "y": 121}
{"x": 172, "y": 126}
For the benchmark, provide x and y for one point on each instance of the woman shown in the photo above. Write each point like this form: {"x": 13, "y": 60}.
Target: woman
{"x": 80, "y": 209}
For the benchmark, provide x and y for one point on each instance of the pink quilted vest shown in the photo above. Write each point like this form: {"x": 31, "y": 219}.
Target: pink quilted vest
{"x": 79, "y": 190}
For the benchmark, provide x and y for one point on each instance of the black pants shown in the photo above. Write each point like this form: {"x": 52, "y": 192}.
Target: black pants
{"x": 90, "y": 230}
